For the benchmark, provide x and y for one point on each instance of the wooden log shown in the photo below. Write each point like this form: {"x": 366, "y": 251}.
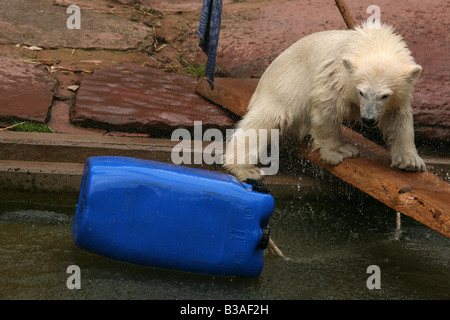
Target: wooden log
{"x": 231, "y": 94}
{"x": 349, "y": 22}
{"x": 422, "y": 196}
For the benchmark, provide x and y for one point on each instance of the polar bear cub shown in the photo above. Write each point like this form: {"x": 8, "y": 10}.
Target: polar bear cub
{"x": 365, "y": 75}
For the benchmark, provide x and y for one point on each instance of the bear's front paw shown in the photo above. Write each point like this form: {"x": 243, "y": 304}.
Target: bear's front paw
{"x": 337, "y": 155}
{"x": 409, "y": 162}
{"x": 243, "y": 172}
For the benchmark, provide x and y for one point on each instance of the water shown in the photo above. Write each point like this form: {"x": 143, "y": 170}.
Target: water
{"x": 330, "y": 235}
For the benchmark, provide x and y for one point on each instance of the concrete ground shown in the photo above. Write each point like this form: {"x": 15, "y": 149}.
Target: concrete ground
{"x": 95, "y": 81}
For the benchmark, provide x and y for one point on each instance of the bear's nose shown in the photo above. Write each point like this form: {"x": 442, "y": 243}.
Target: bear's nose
{"x": 370, "y": 122}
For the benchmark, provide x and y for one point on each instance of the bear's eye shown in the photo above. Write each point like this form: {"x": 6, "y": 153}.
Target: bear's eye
{"x": 385, "y": 96}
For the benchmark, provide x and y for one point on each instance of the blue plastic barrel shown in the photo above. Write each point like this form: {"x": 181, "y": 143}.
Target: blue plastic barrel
{"x": 173, "y": 217}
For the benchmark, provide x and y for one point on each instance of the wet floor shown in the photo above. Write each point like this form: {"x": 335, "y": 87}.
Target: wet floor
{"x": 331, "y": 235}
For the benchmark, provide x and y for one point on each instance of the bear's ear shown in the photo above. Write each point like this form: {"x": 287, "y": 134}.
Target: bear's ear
{"x": 348, "y": 64}
{"x": 413, "y": 73}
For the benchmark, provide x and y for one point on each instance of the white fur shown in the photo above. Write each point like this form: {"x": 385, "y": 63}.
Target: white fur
{"x": 330, "y": 76}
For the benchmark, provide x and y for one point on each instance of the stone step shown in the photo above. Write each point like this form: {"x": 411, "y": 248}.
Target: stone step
{"x": 26, "y": 92}
{"x": 40, "y": 176}
{"x": 54, "y": 162}
{"x": 65, "y": 177}
{"x": 144, "y": 100}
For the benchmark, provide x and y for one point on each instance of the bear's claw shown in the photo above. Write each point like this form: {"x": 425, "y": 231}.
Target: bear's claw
{"x": 409, "y": 162}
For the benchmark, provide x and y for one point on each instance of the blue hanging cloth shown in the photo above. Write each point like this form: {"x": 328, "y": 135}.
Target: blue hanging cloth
{"x": 208, "y": 32}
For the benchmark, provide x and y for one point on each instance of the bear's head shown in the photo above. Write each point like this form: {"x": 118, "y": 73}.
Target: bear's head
{"x": 380, "y": 83}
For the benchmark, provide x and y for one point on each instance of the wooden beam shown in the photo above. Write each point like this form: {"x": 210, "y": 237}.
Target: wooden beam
{"x": 231, "y": 94}
{"x": 422, "y": 196}
{"x": 349, "y": 22}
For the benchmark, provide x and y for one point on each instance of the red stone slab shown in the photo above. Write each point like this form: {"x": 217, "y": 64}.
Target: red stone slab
{"x": 40, "y": 23}
{"x": 26, "y": 92}
{"x": 142, "y": 99}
